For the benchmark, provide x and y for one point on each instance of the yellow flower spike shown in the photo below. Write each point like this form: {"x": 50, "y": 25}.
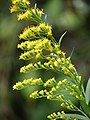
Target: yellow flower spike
{"x": 73, "y": 93}
{"x": 78, "y": 78}
{"x": 18, "y": 86}
{"x": 57, "y": 87}
{"x": 77, "y": 96}
{"x": 14, "y": 8}
{"x": 34, "y": 94}
{"x": 35, "y": 65}
{"x": 71, "y": 106}
{"x": 58, "y": 52}
{"x": 64, "y": 68}
{"x": 59, "y": 97}
{"x": 46, "y": 84}
{"x": 63, "y": 59}
{"x": 27, "y": 82}
{"x": 49, "y": 33}
{"x": 54, "y": 114}
{"x": 62, "y": 112}
{"x": 63, "y": 53}
{"x": 48, "y": 58}
{"x": 81, "y": 97}
{"x": 26, "y": 2}
{"x": 27, "y": 55}
{"x": 58, "y": 113}
{"x": 71, "y": 67}
{"x": 46, "y": 64}
{"x": 63, "y": 105}
{"x": 51, "y": 66}
{"x": 41, "y": 92}
{"x": 59, "y": 83}
{"x": 74, "y": 85}
{"x": 46, "y": 92}
{"x": 15, "y": 1}
{"x": 50, "y": 82}
{"x": 49, "y": 117}
{"x": 38, "y": 56}
{"x": 59, "y": 60}
{"x": 56, "y": 64}
{"x": 64, "y": 81}
{"x": 37, "y": 81}
{"x": 52, "y": 90}
{"x": 49, "y": 97}
{"x": 25, "y": 69}
{"x": 46, "y": 28}
{"x": 66, "y": 72}
{"x": 68, "y": 107}
{"x": 18, "y": 1}
{"x": 62, "y": 117}
{"x": 26, "y": 15}
{"x": 56, "y": 46}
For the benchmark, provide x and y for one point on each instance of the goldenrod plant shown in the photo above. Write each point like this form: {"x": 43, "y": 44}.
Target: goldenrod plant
{"x": 42, "y": 51}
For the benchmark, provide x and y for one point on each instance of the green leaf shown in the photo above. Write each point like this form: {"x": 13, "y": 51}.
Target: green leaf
{"x": 85, "y": 107}
{"x": 71, "y": 52}
{"x": 61, "y": 38}
{"x": 88, "y": 92}
{"x": 77, "y": 116}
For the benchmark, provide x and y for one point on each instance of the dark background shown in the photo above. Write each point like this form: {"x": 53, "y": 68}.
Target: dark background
{"x": 72, "y": 16}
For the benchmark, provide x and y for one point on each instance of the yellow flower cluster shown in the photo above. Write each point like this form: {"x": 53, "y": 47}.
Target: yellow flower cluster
{"x": 34, "y": 48}
{"x": 50, "y": 82}
{"x": 24, "y": 11}
{"x": 36, "y": 32}
{"x": 27, "y": 15}
{"x": 58, "y": 115}
{"x": 34, "y": 94}
{"x": 27, "y": 82}
{"x": 19, "y": 5}
{"x": 43, "y": 52}
{"x": 18, "y": 86}
{"x": 22, "y": 1}
{"x": 31, "y": 66}
{"x": 39, "y": 94}
{"x": 30, "y": 14}
{"x": 67, "y": 105}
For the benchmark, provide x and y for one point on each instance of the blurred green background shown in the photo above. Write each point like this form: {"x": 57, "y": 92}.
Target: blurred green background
{"x": 72, "y": 16}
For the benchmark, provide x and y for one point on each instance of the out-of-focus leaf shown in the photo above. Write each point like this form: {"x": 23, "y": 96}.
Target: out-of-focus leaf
{"x": 88, "y": 92}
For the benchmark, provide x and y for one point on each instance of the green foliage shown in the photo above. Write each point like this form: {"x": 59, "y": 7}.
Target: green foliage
{"x": 43, "y": 52}
{"x": 88, "y": 92}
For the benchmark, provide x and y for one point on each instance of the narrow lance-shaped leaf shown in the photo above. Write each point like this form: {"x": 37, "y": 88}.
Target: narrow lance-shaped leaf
{"x": 62, "y": 38}
{"x": 88, "y": 92}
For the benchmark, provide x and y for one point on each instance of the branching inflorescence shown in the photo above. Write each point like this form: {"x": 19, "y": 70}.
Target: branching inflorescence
{"x": 40, "y": 45}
